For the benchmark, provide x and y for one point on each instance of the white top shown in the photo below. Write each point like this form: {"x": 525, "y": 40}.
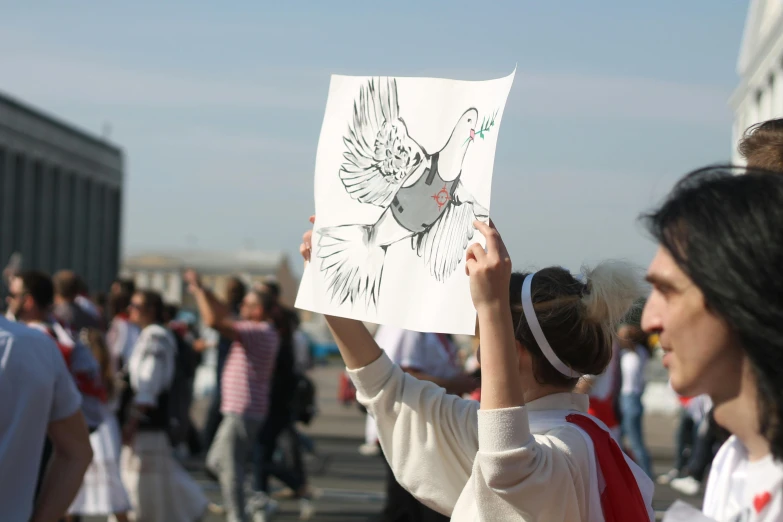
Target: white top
{"x": 738, "y": 489}
{"x": 151, "y": 366}
{"x": 512, "y": 464}
{"x": 423, "y": 352}
{"x": 36, "y": 389}
{"x": 121, "y": 338}
{"x": 632, "y": 363}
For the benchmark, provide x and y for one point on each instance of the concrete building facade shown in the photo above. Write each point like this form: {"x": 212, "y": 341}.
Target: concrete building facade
{"x": 759, "y": 96}
{"x": 60, "y": 196}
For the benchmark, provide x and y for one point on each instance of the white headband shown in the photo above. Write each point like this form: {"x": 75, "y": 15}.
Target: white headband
{"x": 538, "y": 333}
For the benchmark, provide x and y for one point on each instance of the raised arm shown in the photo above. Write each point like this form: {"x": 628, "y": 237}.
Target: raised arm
{"x": 424, "y": 432}
{"x": 490, "y": 272}
{"x": 214, "y": 313}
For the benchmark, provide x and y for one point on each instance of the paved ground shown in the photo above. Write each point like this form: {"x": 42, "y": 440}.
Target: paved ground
{"x": 349, "y": 486}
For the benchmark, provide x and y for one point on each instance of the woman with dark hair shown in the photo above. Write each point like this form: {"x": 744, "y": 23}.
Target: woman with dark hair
{"x": 530, "y": 452}
{"x": 717, "y": 303}
{"x": 159, "y": 488}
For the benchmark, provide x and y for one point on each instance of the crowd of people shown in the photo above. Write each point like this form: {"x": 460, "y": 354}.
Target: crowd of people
{"x": 99, "y": 392}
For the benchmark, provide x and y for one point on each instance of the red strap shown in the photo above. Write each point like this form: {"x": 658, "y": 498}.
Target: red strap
{"x": 88, "y": 386}
{"x": 603, "y": 410}
{"x": 621, "y": 500}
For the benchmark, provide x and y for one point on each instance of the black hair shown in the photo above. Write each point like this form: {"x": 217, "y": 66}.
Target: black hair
{"x": 127, "y": 286}
{"x": 153, "y": 302}
{"x": 39, "y": 286}
{"x": 273, "y": 287}
{"x": 723, "y": 225}
{"x": 267, "y": 300}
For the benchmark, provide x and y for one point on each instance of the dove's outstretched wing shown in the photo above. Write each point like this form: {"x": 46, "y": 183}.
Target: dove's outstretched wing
{"x": 380, "y": 153}
{"x": 443, "y": 245}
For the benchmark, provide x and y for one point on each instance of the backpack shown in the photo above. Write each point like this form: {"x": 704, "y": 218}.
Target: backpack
{"x": 304, "y": 407}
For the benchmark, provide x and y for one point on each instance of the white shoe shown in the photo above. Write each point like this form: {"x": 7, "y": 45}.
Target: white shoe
{"x": 306, "y": 509}
{"x": 262, "y": 507}
{"x": 667, "y": 477}
{"x": 686, "y": 485}
{"x": 369, "y": 450}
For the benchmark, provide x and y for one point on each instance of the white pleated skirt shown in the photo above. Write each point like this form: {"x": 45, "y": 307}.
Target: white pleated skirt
{"x": 102, "y": 492}
{"x": 159, "y": 488}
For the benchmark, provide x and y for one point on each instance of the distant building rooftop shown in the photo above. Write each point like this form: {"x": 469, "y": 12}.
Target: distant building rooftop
{"x": 248, "y": 261}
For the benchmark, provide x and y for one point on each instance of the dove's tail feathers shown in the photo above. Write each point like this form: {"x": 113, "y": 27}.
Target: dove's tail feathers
{"x": 352, "y": 263}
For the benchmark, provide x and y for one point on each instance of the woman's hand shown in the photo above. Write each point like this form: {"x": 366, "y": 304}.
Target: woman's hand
{"x": 307, "y": 239}
{"x": 489, "y": 271}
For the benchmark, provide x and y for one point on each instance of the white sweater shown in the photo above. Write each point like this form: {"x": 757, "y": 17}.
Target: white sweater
{"x": 485, "y": 465}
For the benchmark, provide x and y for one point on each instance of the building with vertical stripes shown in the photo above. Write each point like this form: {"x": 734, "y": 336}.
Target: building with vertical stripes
{"x": 60, "y": 195}
{"x": 759, "y": 95}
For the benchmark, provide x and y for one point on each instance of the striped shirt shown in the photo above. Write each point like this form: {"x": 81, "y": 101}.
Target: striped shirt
{"x": 247, "y": 375}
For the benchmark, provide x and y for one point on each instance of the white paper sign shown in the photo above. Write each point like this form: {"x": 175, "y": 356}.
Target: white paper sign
{"x": 404, "y": 168}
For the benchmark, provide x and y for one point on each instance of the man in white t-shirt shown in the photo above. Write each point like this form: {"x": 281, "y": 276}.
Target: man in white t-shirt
{"x": 716, "y": 303}
{"x": 429, "y": 357}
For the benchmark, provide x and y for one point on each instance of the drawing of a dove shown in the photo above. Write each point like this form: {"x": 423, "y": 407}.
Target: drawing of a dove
{"x": 422, "y": 194}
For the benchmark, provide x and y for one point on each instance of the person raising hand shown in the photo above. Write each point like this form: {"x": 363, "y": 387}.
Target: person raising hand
{"x": 529, "y": 451}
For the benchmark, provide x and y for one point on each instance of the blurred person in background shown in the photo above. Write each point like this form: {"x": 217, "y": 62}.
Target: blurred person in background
{"x": 187, "y": 361}
{"x": 235, "y": 293}
{"x": 30, "y": 302}
{"x": 122, "y": 333}
{"x": 40, "y": 402}
{"x": 102, "y": 492}
{"x": 692, "y": 417}
{"x": 245, "y": 393}
{"x": 604, "y": 393}
{"x": 159, "y": 488}
{"x": 634, "y": 355}
{"x": 68, "y": 286}
{"x": 280, "y": 421}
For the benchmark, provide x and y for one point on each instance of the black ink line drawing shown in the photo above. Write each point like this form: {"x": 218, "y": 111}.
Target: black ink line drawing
{"x": 422, "y": 194}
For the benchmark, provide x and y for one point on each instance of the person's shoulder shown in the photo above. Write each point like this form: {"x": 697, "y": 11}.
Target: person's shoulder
{"x": 569, "y": 440}
{"x": 259, "y": 330}
{"x": 36, "y": 344}
{"x": 11, "y": 329}
{"x": 157, "y": 333}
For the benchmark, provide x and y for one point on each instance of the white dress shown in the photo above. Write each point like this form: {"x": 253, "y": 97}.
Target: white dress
{"x": 102, "y": 492}
{"x": 160, "y": 489}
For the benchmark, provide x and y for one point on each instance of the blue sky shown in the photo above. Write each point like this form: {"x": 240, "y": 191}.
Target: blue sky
{"x": 219, "y": 107}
